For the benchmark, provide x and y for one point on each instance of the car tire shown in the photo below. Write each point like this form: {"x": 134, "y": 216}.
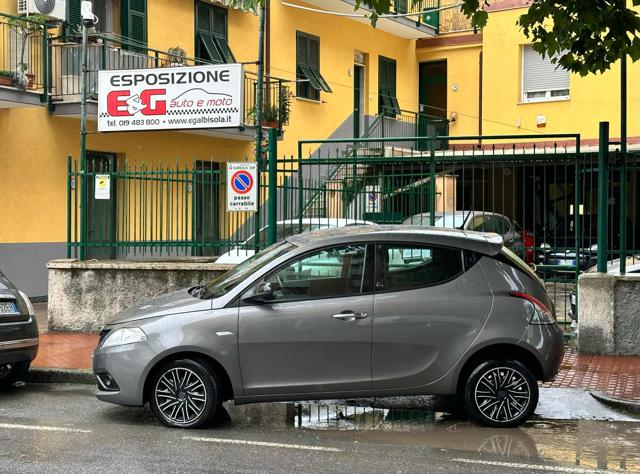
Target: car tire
{"x": 185, "y": 393}
{"x": 13, "y": 372}
{"x": 501, "y": 394}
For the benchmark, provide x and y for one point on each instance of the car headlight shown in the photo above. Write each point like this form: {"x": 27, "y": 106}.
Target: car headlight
{"x": 27, "y": 301}
{"x": 123, "y": 336}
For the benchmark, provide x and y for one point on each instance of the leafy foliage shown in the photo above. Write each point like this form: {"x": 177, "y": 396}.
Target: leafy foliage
{"x": 584, "y": 36}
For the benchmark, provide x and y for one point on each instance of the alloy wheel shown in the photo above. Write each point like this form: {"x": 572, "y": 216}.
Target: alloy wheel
{"x": 502, "y": 394}
{"x": 180, "y": 395}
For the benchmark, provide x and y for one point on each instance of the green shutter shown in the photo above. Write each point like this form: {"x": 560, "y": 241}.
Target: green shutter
{"x": 134, "y": 20}
{"x": 204, "y": 20}
{"x": 302, "y": 46}
{"x": 211, "y": 37}
{"x": 74, "y": 19}
{"x": 314, "y": 54}
{"x": 219, "y": 22}
{"x": 387, "y": 101}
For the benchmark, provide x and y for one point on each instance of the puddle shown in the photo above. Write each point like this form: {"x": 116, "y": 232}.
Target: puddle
{"x": 584, "y": 443}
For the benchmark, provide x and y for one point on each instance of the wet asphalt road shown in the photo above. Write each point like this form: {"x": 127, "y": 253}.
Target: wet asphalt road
{"x": 63, "y": 428}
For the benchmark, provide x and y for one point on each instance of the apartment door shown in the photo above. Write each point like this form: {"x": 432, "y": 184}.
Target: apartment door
{"x": 207, "y": 207}
{"x": 101, "y": 213}
{"x": 358, "y": 100}
{"x": 433, "y": 100}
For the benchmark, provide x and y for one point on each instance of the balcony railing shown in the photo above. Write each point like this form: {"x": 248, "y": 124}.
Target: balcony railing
{"x": 106, "y": 53}
{"x": 22, "y": 53}
{"x": 443, "y": 15}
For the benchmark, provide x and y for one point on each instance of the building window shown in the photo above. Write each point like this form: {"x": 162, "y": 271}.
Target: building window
{"x": 387, "y": 100}
{"x": 212, "y": 44}
{"x": 309, "y": 80}
{"x": 541, "y": 79}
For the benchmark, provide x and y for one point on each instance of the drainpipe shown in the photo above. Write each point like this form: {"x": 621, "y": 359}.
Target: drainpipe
{"x": 267, "y": 39}
{"x": 480, "y": 98}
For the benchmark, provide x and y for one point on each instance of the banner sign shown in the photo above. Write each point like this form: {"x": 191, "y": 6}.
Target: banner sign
{"x": 242, "y": 187}
{"x": 170, "y": 98}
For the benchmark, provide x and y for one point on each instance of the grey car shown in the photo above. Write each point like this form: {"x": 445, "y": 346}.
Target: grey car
{"x": 340, "y": 313}
{"x": 18, "y": 333}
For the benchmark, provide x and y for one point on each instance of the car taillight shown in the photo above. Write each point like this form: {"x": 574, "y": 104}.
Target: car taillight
{"x": 541, "y": 314}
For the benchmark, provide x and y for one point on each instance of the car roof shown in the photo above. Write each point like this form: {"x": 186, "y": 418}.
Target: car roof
{"x": 487, "y": 244}
{"x": 458, "y": 213}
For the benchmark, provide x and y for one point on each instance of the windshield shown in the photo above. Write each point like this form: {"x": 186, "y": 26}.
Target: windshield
{"x": 449, "y": 221}
{"x": 229, "y": 280}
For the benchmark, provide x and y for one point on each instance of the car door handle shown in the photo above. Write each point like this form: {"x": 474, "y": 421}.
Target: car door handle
{"x": 349, "y": 316}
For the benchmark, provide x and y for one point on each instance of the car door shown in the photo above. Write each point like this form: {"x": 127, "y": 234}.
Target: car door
{"x": 315, "y": 334}
{"x": 430, "y": 304}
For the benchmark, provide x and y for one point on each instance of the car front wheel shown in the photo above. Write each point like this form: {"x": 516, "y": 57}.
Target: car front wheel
{"x": 185, "y": 394}
{"x": 501, "y": 394}
{"x": 11, "y": 373}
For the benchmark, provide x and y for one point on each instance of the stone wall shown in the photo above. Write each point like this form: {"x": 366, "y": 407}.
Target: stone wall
{"x": 84, "y": 295}
{"x": 609, "y": 314}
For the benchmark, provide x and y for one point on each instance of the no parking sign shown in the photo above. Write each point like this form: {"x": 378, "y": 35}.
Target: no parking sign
{"x": 242, "y": 187}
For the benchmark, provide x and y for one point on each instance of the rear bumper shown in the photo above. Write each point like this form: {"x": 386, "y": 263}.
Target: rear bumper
{"x": 20, "y": 350}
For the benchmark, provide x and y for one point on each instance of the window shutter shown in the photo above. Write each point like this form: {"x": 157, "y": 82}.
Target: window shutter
{"x": 204, "y": 20}
{"x": 134, "y": 20}
{"x": 74, "y": 19}
{"x": 301, "y": 50}
{"x": 219, "y": 22}
{"x": 314, "y": 54}
{"x": 540, "y": 74}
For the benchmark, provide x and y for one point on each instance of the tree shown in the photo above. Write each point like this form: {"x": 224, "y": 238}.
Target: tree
{"x": 584, "y": 36}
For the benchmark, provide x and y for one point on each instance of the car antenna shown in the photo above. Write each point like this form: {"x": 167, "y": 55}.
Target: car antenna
{"x": 466, "y": 217}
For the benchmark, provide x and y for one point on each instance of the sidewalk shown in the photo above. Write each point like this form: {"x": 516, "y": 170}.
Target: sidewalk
{"x": 615, "y": 376}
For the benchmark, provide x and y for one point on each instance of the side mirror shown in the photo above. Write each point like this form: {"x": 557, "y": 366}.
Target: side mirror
{"x": 263, "y": 292}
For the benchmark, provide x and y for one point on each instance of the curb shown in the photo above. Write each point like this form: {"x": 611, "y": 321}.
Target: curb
{"x": 617, "y": 403}
{"x": 47, "y": 375}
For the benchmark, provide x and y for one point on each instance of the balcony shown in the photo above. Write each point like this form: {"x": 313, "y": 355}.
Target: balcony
{"x": 106, "y": 53}
{"x": 23, "y": 45}
{"x": 423, "y": 24}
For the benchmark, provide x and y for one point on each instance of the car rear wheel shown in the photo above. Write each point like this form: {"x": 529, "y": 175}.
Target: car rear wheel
{"x": 185, "y": 393}
{"x": 11, "y": 373}
{"x": 501, "y": 394}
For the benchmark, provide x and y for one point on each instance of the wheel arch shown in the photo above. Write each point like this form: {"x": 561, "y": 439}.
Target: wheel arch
{"x": 225, "y": 380}
{"x": 500, "y": 351}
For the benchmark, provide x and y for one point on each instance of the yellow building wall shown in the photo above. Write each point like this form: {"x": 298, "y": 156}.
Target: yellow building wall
{"x": 593, "y": 98}
{"x": 34, "y": 145}
{"x": 339, "y": 37}
{"x": 462, "y": 83}
{"x": 33, "y": 158}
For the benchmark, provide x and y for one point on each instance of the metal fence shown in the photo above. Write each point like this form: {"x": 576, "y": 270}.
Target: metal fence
{"x": 23, "y": 55}
{"x": 543, "y": 197}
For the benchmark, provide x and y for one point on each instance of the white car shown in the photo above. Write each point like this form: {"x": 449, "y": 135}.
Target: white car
{"x": 284, "y": 229}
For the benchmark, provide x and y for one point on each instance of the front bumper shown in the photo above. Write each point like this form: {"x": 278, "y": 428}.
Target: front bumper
{"x": 127, "y": 366}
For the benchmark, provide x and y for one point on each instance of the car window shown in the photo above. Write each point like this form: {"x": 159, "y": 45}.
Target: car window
{"x": 327, "y": 273}
{"x": 489, "y": 223}
{"x": 414, "y": 266}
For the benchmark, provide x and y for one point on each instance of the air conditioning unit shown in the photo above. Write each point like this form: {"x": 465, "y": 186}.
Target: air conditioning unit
{"x": 54, "y": 9}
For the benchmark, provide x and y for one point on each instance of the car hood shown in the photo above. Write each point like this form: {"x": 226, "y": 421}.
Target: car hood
{"x": 176, "y": 302}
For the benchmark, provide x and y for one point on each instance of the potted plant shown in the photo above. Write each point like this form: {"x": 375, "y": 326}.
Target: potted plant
{"x": 286, "y": 99}
{"x": 24, "y": 28}
{"x": 21, "y": 79}
{"x": 6, "y": 78}
{"x": 269, "y": 116}
{"x": 177, "y": 56}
